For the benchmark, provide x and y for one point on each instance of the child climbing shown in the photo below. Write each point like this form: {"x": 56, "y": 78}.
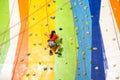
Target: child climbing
{"x": 53, "y": 37}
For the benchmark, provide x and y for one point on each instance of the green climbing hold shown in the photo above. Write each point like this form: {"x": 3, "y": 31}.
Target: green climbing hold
{"x": 76, "y": 28}
{"x": 89, "y": 48}
{"x": 76, "y": 33}
{"x": 80, "y": 3}
{"x": 76, "y": 20}
{"x": 83, "y": 53}
{"x": 78, "y": 68}
{"x": 87, "y": 23}
{"x": 61, "y": 8}
{"x": 78, "y": 74}
{"x": 78, "y": 47}
{"x": 71, "y": 8}
{"x": 54, "y": 1}
{"x": 86, "y": 16}
{"x": 52, "y": 17}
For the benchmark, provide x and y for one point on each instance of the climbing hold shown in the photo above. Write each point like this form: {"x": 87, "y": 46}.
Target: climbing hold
{"x": 86, "y": 16}
{"x": 75, "y": 17}
{"x": 60, "y": 28}
{"x": 30, "y": 34}
{"x": 83, "y": 58}
{"x": 78, "y": 68}
{"x": 76, "y": 28}
{"x": 34, "y": 44}
{"x": 71, "y": 8}
{"x": 96, "y": 68}
{"x": 83, "y": 53}
{"x": 89, "y": 48}
{"x": 45, "y": 48}
{"x": 78, "y": 62}
{"x": 118, "y": 78}
{"x": 52, "y": 17}
{"x": 80, "y": 3}
{"x": 83, "y": 37}
{"x": 54, "y": 1}
{"x": 36, "y": 34}
{"x": 84, "y": 73}
{"x": 66, "y": 63}
{"x": 94, "y": 48}
{"x": 33, "y": 18}
{"x": 48, "y": 5}
{"x": 46, "y": 24}
{"x": 45, "y": 68}
{"x": 87, "y": 32}
{"x": 90, "y": 62}
{"x": 40, "y": 44}
{"x": 85, "y": 7}
{"x": 33, "y": 74}
{"x": 51, "y": 68}
{"x": 27, "y": 74}
{"x": 21, "y": 60}
{"x": 87, "y": 23}
{"x": 113, "y": 39}
{"x": 39, "y": 63}
{"x": 34, "y": 6}
{"x": 78, "y": 74}
{"x": 76, "y": 33}
{"x": 114, "y": 65}
{"x": 75, "y": 4}
{"x": 71, "y": 38}
{"x": 78, "y": 47}
{"x": 28, "y": 54}
{"x": 76, "y": 20}
{"x": 61, "y": 8}
{"x": 92, "y": 16}
{"x": 71, "y": 43}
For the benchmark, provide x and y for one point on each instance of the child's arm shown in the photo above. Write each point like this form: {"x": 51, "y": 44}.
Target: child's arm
{"x": 46, "y": 34}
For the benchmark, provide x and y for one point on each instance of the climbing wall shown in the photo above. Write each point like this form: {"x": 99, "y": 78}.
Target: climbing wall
{"x": 90, "y": 33}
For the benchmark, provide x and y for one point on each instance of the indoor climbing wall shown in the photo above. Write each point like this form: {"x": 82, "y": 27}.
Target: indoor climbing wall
{"x": 90, "y": 33}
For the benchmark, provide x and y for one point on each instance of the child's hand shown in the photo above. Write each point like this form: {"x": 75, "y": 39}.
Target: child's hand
{"x": 45, "y": 33}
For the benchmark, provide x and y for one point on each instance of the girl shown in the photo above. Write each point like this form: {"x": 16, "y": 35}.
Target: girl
{"x": 51, "y": 42}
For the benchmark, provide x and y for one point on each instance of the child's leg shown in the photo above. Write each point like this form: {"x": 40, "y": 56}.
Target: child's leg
{"x": 57, "y": 49}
